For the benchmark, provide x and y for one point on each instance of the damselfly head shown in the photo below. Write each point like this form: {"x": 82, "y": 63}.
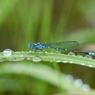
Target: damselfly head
{"x": 30, "y": 45}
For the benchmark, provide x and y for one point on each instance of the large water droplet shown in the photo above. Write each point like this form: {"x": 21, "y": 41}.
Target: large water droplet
{"x": 36, "y": 59}
{"x": 7, "y": 52}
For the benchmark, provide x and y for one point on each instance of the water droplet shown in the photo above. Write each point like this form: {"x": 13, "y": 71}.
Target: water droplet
{"x": 64, "y": 61}
{"x": 78, "y": 82}
{"x": 90, "y": 64}
{"x": 70, "y": 61}
{"x": 58, "y": 60}
{"x": 88, "y": 56}
{"x": 79, "y": 55}
{"x": 36, "y": 59}
{"x": 31, "y": 51}
{"x": 7, "y": 52}
{"x": 71, "y": 53}
{"x": 45, "y": 52}
{"x": 69, "y": 77}
{"x": 82, "y": 63}
{"x": 86, "y": 87}
{"x": 57, "y": 52}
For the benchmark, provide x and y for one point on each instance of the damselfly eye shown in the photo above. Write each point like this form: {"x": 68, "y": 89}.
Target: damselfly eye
{"x": 30, "y": 45}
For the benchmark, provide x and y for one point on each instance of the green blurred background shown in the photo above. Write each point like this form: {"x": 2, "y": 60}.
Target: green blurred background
{"x": 25, "y": 21}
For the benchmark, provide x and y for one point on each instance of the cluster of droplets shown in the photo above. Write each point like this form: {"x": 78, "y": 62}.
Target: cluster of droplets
{"x": 59, "y": 60}
{"x": 86, "y": 56}
{"x": 77, "y": 82}
{"x": 87, "y": 63}
{"x": 64, "y": 60}
{"x": 7, "y": 53}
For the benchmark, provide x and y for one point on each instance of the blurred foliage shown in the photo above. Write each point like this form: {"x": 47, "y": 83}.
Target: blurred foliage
{"x": 25, "y": 21}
